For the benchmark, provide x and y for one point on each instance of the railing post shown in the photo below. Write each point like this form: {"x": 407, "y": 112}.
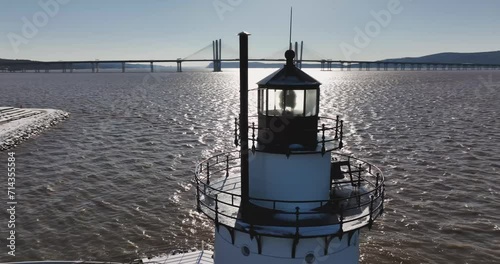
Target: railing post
{"x": 382, "y": 189}
{"x": 341, "y": 228}
{"x": 376, "y": 184}
{"x": 208, "y": 173}
{"x": 341, "y": 214}
{"x": 341, "y": 144}
{"x": 337, "y": 128}
{"x": 253, "y": 137}
{"x": 236, "y": 131}
{"x": 217, "y": 209}
{"x": 198, "y": 205}
{"x": 227, "y": 166}
{"x": 370, "y": 222}
{"x": 359, "y": 175}
{"x": 323, "y": 148}
{"x": 350, "y": 171}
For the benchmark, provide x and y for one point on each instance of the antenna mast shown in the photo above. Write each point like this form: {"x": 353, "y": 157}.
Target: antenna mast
{"x": 291, "y": 22}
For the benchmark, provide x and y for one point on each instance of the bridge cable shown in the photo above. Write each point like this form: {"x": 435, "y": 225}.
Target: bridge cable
{"x": 208, "y": 47}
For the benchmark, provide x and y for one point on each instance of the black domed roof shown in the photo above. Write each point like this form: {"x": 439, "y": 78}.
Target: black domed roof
{"x": 289, "y": 75}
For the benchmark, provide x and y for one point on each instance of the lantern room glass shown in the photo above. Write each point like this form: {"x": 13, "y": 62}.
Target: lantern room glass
{"x": 278, "y": 102}
{"x": 311, "y": 101}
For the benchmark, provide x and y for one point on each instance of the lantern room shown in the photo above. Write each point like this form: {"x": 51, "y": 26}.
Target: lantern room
{"x": 288, "y": 108}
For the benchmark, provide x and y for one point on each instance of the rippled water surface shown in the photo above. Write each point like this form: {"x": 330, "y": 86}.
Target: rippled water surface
{"x": 115, "y": 179}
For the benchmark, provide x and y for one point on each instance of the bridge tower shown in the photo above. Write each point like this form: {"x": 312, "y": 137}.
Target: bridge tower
{"x": 217, "y": 55}
{"x": 299, "y": 54}
{"x": 179, "y": 64}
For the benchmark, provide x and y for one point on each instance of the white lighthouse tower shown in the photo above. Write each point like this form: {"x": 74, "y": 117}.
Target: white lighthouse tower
{"x": 287, "y": 196}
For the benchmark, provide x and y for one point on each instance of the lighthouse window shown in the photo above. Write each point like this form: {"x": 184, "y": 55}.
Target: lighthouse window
{"x": 287, "y": 101}
{"x": 274, "y": 99}
{"x": 311, "y": 102}
{"x": 262, "y": 100}
{"x": 274, "y": 102}
{"x": 292, "y": 102}
{"x": 298, "y": 109}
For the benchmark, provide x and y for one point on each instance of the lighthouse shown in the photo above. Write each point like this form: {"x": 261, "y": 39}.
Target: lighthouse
{"x": 288, "y": 195}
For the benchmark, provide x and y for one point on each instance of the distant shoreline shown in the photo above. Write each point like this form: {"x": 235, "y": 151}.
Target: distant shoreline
{"x": 490, "y": 57}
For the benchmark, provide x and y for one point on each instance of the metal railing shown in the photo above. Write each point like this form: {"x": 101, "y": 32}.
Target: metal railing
{"x": 327, "y": 134}
{"x": 218, "y": 197}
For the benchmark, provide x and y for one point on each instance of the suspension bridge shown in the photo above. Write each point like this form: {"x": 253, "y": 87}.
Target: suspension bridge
{"x": 212, "y": 53}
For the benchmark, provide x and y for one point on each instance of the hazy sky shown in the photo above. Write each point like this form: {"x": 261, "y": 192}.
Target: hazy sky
{"x": 169, "y": 29}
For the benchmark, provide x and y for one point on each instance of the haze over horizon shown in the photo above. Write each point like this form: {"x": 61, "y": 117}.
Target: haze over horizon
{"x": 357, "y": 30}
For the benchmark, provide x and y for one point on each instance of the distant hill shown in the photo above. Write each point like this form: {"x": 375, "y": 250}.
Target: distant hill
{"x": 491, "y": 57}
{"x": 4, "y": 60}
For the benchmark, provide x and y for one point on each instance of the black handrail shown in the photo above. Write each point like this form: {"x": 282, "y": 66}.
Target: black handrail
{"x": 338, "y": 136}
{"x": 371, "y": 199}
{"x": 360, "y": 178}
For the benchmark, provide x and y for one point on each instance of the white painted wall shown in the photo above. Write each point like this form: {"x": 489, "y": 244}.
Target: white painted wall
{"x": 296, "y": 178}
{"x": 279, "y": 250}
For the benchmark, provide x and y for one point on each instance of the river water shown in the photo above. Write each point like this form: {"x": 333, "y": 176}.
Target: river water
{"x": 115, "y": 180}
